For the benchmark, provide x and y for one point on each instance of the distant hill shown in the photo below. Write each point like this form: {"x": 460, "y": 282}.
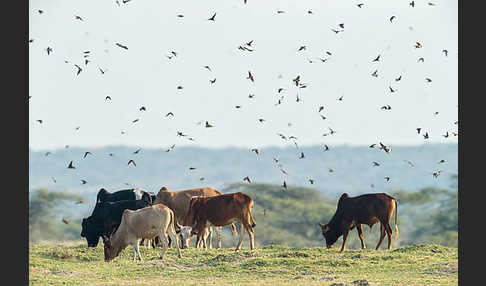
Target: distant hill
{"x": 353, "y": 171}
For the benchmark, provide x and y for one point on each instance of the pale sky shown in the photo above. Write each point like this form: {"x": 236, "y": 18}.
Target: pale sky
{"x": 144, "y": 76}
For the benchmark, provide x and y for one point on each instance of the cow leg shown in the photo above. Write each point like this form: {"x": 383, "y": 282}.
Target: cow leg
{"x": 359, "y": 228}
{"x": 242, "y": 232}
{"x": 382, "y": 229}
{"x": 389, "y": 233}
{"x": 136, "y": 251}
{"x": 164, "y": 241}
{"x": 345, "y": 237}
{"x": 174, "y": 236}
{"x": 218, "y": 232}
{"x": 210, "y": 237}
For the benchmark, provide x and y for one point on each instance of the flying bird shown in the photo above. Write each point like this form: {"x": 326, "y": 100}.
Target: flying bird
{"x": 387, "y": 179}
{"x": 418, "y": 130}
{"x": 399, "y": 78}
{"x": 376, "y": 164}
{"x": 143, "y": 108}
{"x": 436, "y": 173}
{"x": 375, "y": 73}
{"x": 302, "y": 48}
{"x": 49, "y": 50}
{"x": 169, "y": 113}
{"x": 428, "y": 79}
{"x": 391, "y": 19}
{"x": 377, "y": 59}
{"x": 311, "y": 181}
{"x": 65, "y": 221}
{"x": 372, "y": 145}
{"x": 39, "y": 120}
{"x": 301, "y": 155}
{"x": 391, "y": 89}
{"x": 445, "y": 52}
{"x": 108, "y": 97}
{"x": 79, "y": 70}
{"x": 137, "y": 151}
{"x": 212, "y": 81}
{"x": 208, "y": 68}
{"x": 426, "y": 135}
{"x": 341, "y": 25}
{"x": 412, "y": 4}
{"x": 247, "y": 179}
{"x": 133, "y": 162}
{"x": 136, "y": 120}
{"x": 326, "y": 148}
{"x": 360, "y": 5}
{"x": 255, "y": 150}
{"x": 70, "y": 166}
{"x": 212, "y": 17}
{"x": 83, "y": 182}
{"x": 418, "y": 45}
{"x": 441, "y": 161}
{"x": 78, "y": 17}
{"x": 102, "y": 71}
{"x": 250, "y": 76}
{"x": 170, "y": 148}
{"x": 421, "y": 60}
{"x": 86, "y": 154}
{"x": 122, "y": 46}
{"x": 208, "y": 125}
{"x": 284, "y": 184}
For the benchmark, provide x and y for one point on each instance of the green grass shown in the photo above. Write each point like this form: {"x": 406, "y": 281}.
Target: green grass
{"x": 73, "y": 264}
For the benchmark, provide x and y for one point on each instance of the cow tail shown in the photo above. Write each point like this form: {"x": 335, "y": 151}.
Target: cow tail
{"x": 233, "y": 229}
{"x": 253, "y": 224}
{"x": 396, "y": 218}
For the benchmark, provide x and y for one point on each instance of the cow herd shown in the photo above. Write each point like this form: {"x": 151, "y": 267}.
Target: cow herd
{"x": 135, "y": 217}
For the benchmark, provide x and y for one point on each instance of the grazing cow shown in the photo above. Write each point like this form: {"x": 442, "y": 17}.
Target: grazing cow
{"x": 365, "y": 209}
{"x": 178, "y": 202}
{"x": 220, "y": 211}
{"x": 130, "y": 194}
{"x": 149, "y": 222}
{"x": 106, "y": 218}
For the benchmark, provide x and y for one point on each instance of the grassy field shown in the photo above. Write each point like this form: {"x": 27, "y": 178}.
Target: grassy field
{"x": 73, "y": 264}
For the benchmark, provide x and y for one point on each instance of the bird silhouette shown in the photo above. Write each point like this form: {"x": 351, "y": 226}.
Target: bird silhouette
{"x": 250, "y": 76}
{"x": 79, "y": 69}
{"x": 330, "y": 170}
{"x": 136, "y": 120}
{"x": 143, "y": 108}
{"x": 387, "y": 179}
{"x": 391, "y": 89}
{"x": 360, "y": 5}
{"x": 445, "y": 52}
{"x": 446, "y": 135}
{"x": 107, "y": 97}
{"x": 137, "y": 151}
{"x": 372, "y": 145}
{"x": 302, "y": 48}
{"x": 65, "y": 221}
{"x": 284, "y": 184}
{"x": 83, "y": 182}
{"x": 49, "y": 50}
{"x": 78, "y": 17}
{"x": 70, "y": 166}
{"x": 377, "y": 59}
{"x": 169, "y": 113}
{"x": 418, "y": 45}
{"x": 436, "y": 174}
{"x": 412, "y": 4}
{"x": 86, "y": 154}
{"x": 376, "y": 164}
{"x": 421, "y": 60}
{"x": 192, "y": 168}
{"x": 326, "y": 148}
{"x": 311, "y": 181}
{"x": 212, "y": 81}
{"x": 418, "y": 130}
{"x": 208, "y": 125}
{"x": 391, "y": 19}
{"x": 255, "y": 150}
{"x": 133, "y": 162}
{"x": 428, "y": 79}
{"x": 302, "y": 156}
{"x": 212, "y": 17}
{"x": 441, "y": 161}
{"x": 122, "y": 46}
{"x": 399, "y": 78}
{"x": 247, "y": 179}
{"x": 170, "y": 148}
{"x": 375, "y": 73}
{"x": 426, "y": 135}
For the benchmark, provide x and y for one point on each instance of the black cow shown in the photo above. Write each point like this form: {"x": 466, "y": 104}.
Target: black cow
{"x": 129, "y": 194}
{"x": 365, "y": 209}
{"x": 106, "y": 218}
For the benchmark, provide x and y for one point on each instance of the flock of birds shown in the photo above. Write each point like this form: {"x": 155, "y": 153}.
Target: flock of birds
{"x": 297, "y": 82}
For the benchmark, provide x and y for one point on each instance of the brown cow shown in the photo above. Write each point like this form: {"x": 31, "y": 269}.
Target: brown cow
{"x": 220, "y": 211}
{"x": 365, "y": 209}
{"x": 178, "y": 201}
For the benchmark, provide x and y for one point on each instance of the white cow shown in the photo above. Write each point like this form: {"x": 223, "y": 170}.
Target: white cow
{"x": 149, "y": 222}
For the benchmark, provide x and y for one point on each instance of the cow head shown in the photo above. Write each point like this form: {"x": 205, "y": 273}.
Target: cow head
{"x": 329, "y": 234}
{"x": 90, "y": 231}
{"x": 163, "y": 196}
{"x": 186, "y": 233}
